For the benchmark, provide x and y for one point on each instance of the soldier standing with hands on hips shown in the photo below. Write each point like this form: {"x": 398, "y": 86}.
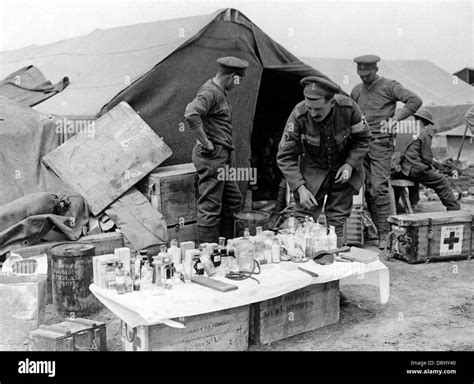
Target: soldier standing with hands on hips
{"x": 377, "y": 98}
{"x": 209, "y": 117}
{"x": 321, "y": 151}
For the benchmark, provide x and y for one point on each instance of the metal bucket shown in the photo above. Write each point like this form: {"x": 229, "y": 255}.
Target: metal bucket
{"x": 72, "y": 273}
{"x": 250, "y": 220}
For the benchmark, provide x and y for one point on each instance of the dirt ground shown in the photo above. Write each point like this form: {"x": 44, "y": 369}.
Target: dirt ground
{"x": 430, "y": 309}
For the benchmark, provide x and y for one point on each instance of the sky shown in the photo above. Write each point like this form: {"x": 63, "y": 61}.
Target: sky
{"x": 439, "y": 31}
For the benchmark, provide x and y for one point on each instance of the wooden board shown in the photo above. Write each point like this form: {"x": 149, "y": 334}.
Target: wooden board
{"x": 173, "y": 191}
{"x": 296, "y": 312}
{"x": 226, "y": 330}
{"x": 104, "y": 162}
{"x": 104, "y": 243}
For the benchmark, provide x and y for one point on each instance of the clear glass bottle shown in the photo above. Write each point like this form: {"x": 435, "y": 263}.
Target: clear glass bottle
{"x": 276, "y": 252}
{"x": 120, "y": 277}
{"x": 175, "y": 253}
{"x": 110, "y": 276}
{"x": 147, "y": 276}
{"x": 128, "y": 282}
{"x": 268, "y": 242}
{"x": 259, "y": 242}
{"x": 332, "y": 238}
{"x": 246, "y": 253}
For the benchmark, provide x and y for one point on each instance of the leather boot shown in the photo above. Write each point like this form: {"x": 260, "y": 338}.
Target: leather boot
{"x": 207, "y": 234}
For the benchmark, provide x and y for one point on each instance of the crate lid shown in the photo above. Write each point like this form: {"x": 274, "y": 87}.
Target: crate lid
{"x": 420, "y": 219}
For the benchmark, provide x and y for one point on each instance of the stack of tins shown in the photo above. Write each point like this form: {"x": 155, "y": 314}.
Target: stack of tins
{"x": 72, "y": 274}
{"x": 430, "y": 236}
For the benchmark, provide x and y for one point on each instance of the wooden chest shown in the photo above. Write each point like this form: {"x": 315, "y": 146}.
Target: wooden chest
{"x": 173, "y": 191}
{"x": 226, "y": 330}
{"x": 304, "y": 310}
{"x": 354, "y": 228}
{"x": 72, "y": 335}
{"x": 184, "y": 232}
{"x": 430, "y": 236}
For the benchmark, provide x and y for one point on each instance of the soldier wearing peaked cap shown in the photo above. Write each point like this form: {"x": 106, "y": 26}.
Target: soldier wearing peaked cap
{"x": 321, "y": 152}
{"x": 377, "y": 97}
{"x": 209, "y": 117}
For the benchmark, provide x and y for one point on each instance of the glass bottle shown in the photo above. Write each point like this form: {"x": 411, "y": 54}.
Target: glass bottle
{"x": 246, "y": 253}
{"x": 128, "y": 282}
{"x": 332, "y": 238}
{"x": 259, "y": 246}
{"x": 120, "y": 277}
{"x": 276, "y": 255}
{"x": 110, "y": 276}
{"x": 175, "y": 255}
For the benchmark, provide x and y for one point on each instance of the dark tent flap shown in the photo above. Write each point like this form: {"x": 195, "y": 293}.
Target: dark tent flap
{"x": 29, "y": 87}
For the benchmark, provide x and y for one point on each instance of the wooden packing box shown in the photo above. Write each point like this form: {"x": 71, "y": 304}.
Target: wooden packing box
{"x": 303, "y": 310}
{"x": 173, "y": 191}
{"x": 226, "y": 330}
{"x": 186, "y": 232}
{"x": 354, "y": 228}
{"x": 430, "y": 236}
{"x": 72, "y": 335}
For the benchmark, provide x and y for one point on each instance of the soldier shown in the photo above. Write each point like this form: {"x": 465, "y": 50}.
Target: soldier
{"x": 321, "y": 152}
{"x": 417, "y": 164}
{"x": 377, "y": 98}
{"x": 209, "y": 117}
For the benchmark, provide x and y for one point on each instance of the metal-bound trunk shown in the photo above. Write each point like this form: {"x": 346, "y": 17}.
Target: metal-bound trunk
{"x": 429, "y": 236}
{"x": 72, "y": 273}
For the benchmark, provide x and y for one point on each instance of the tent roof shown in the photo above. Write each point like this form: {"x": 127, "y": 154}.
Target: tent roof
{"x": 104, "y": 62}
{"x": 433, "y": 84}
{"x": 458, "y": 131}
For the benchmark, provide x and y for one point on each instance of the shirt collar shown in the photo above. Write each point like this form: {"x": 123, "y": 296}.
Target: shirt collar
{"x": 218, "y": 86}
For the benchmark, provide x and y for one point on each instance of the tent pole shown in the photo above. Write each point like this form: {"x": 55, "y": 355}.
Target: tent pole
{"x": 462, "y": 143}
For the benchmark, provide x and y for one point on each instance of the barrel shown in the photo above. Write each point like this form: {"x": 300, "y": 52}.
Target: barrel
{"x": 250, "y": 220}
{"x": 72, "y": 273}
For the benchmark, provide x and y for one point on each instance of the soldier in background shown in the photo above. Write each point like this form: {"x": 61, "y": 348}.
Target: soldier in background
{"x": 377, "y": 98}
{"x": 209, "y": 117}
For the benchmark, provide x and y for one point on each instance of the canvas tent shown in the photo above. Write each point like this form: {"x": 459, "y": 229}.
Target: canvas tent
{"x": 452, "y": 139}
{"x": 446, "y": 97}
{"x": 158, "y": 67}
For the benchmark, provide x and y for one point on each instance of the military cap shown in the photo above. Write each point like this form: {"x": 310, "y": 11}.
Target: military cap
{"x": 424, "y": 115}
{"x": 316, "y": 87}
{"x": 232, "y": 64}
{"x": 366, "y": 63}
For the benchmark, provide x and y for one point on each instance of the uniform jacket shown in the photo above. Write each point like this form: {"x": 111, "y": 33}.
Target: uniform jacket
{"x": 418, "y": 156}
{"x": 211, "y": 110}
{"x": 309, "y": 150}
{"x": 378, "y": 101}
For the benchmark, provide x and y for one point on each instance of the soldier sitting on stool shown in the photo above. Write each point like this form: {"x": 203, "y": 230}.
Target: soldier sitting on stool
{"x": 417, "y": 164}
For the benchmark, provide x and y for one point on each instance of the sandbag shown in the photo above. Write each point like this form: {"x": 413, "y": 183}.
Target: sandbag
{"x": 26, "y": 206}
{"x": 32, "y": 217}
{"x": 22, "y": 303}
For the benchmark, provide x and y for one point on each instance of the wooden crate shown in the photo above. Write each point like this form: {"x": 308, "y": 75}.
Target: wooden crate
{"x": 431, "y": 236}
{"x": 354, "y": 228}
{"x": 173, "y": 191}
{"x": 226, "y": 330}
{"x": 71, "y": 335}
{"x": 304, "y": 310}
{"x": 186, "y": 232}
